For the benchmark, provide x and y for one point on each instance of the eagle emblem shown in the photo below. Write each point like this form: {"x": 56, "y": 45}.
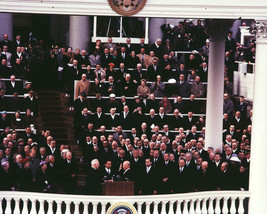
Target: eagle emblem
{"x": 127, "y": 7}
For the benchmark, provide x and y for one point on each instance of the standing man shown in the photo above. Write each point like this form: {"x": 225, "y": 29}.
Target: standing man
{"x": 93, "y": 181}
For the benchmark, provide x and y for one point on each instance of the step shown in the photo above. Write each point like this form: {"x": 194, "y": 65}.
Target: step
{"x": 61, "y": 112}
{"x": 57, "y": 118}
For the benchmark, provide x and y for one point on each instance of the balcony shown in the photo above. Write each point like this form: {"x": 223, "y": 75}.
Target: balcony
{"x": 233, "y": 202}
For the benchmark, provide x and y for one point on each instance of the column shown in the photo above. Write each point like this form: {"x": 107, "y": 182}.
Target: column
{"x": 59, "y": 27}
{"x": 6, "y": 25}
{"x": 215, "y": 87}
{"x": 258, "y": 167}
{"x": 235, "y": 29}
{"x": 79, "y": 32}
{"x": 155, "y": 31}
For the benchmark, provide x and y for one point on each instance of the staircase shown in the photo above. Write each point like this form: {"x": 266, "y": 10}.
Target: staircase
{"x": 56, "y": 117}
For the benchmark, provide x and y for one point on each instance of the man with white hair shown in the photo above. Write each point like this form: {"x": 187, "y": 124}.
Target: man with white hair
{"x": 93, "y": 182}
{"x": 157, "y": 48}
{"x": 126, "y": 173}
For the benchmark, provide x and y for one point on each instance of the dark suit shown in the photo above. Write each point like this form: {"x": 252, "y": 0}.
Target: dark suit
{"x": 148, "y": 180}
{"x": 167, "y": 171}
{"x": 105, "y": 60}
{"x": 181, "y": 181}
{"x": 69, "y": 182}
{"x": 158, "y": 51}
{"x": 162, "y": 120}
{"x": 130, "y": 91}
{"x": 105, "y": 175}
{"x": 243, "y": 109}
{"x": 93, "y": 182}
{"x": 125, "y": 122}
{"x": 188, "y": 124}
{"x": 123, "y": 59}
{"x": 204, "y": 155}
{"x": 10, "y": 89}
{"x": 56, "y": 152}
{"x": 183, "y": 88}
{"x": 126, "y": 175}
{"x": 176, "y": 122}
{"x": 152, "y": 72}
{"x": 99, "y": 120}
{"x": 79, "y": 105}
{"x": 150, "y": 121}
{"x": 112, "y": 122}
{"x": 33, "y": 105}
{"x": 191, "y": 136}
{"x": 42, "y": 181}
{"x": 205, "y": 180}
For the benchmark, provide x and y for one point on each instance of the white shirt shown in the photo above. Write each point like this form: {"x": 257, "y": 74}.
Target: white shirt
{"x": 13, "y": 84}
{"x": 148, "y": 169}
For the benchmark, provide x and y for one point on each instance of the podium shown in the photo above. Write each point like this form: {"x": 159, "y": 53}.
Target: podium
{"x": 118, "y": 188}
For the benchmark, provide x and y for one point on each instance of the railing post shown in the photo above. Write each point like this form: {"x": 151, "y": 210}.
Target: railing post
{"x": 210, "y": 209}
{"x": 191, "y": 209}
{"x": 156, "y": 209}
{"x": 34, "y": 209}
{"x": 241, "y": 205}
{"x": 59, "y": 207}
{"x": 85, "y": 210}
{"x": 8, "y": 205}
{"x": 50, "y": 206}
{"x": 147, "y": 207}
{"x": 217, "y": 206}
{"x": 225, "y": 207}
{"x": 103, "y": 207}
{"x": 204, "y": 206}
{"x": 233, "y": 208}
{"x": 185, "y": 211}
{"x": 198, "y": 210}
{"x": 16, "y": 209}
{"x": 41, "y": 210}
{"x": 171, "y": 211}
{"x": 76, "y": 207}
{"x": 25, "y": 209}
{"x": 139, "y": 207}
{"x": 68, "y": 203}
{"x": 178, "y": 210}
{"x": 163, "y": 207}
{"x": 94, "y": 207}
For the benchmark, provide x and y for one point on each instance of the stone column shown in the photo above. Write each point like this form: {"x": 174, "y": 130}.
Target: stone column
{"x": 6, "y": 25}
{"x": 79, "y": 32}
{"x": 155, "y": 31}
{"x": 215, "y": 88}
{"x": 258, "y": 167}
{"x": 235, "y": 29}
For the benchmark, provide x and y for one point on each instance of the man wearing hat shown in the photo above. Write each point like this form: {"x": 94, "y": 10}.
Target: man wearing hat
{"x": 79, "y": 104}
{"x": 4, "y": 120}
{"x": 31, "y": 102}
{"x": 28, "y": 87}
{"x": 206, "y": 47}
{"x": 111, "y": 103}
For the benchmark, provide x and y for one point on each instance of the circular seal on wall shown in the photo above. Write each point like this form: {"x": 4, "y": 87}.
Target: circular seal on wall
{"x": 127, "y": 7}
{"x": 122, "y": 208}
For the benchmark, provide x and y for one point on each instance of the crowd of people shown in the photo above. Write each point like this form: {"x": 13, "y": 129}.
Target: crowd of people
{"x": 147, "y": 130}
